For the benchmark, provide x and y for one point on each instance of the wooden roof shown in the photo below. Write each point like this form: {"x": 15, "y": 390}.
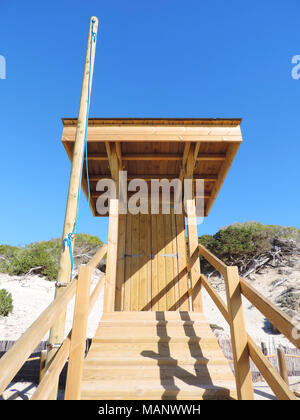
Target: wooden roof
{"x": 157, "y": 148}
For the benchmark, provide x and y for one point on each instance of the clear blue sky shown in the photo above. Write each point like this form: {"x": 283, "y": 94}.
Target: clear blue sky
{"x": 158, "y": 58}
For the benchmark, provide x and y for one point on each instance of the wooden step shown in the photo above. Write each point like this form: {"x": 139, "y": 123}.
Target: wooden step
{"x": 147, "y": 323}
{"x": 156, "y": 355}
{"x": 149, "y": 339}
{"x": 100, "y": 361}
{"x": 154, "y": 390}
{"x": 208, "y": 349}
{"x": 189, "y": 373}
{"x": 153, "y": 331}
{"x": 153, "y": 315}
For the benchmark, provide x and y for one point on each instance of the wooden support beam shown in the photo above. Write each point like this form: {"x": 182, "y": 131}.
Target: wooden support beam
{"x": 97, "y": 194}
{"x": 134, "y": 131}
{"x": 158, "y": 156}
{"x": 113, "y": 161}
{"x": 211, "y": 156}
{"x": 111, "y": 265}
{"x": 207, "y": 178}
{"x": 57, "y": 331}
{"x": 119, "y": 154}
{"x": 195, "y": 272}
{"x": 191, "y": 160}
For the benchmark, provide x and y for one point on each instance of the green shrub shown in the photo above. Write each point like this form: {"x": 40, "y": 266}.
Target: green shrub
{"x": 248, "y": 240}
{"x": 7, "y": 252}
{"x": 6, "y": 302}
{"x": 45, "y": 254}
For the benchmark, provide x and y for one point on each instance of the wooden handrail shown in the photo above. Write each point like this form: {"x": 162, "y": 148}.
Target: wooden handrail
{"x": 221, "y": 305}
{"x": 279, "y": 319}
{"x": 275, "y": 315}
{"x": 272, "y": 377}
{"x": 52, "y": 374}
{"x": 213, "y": 260}
{"x": 16, "y": 356}
{"x": 83, "y": 305}
{"x": 96, "y": 259}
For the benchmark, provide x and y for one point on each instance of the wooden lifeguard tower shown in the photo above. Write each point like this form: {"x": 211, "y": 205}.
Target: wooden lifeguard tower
{"x": 153, "y": 340}
{"x": 153, "y": 333}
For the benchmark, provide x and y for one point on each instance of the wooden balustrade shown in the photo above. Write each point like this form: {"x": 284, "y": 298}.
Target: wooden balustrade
{"x": 17, "y": 355}
{"x": 243, "y": 345}
{"x": 73, "y": 346}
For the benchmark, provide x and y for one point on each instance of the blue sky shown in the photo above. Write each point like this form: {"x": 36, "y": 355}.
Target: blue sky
{"x": 164, "y": 58}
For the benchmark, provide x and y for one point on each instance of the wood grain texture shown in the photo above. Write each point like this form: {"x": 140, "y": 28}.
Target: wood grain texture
{"x": 158, "y": 148}
{"x": 240, "y": 350}
{"x": 78, "y": 337}
{"x": 156, "y": 355}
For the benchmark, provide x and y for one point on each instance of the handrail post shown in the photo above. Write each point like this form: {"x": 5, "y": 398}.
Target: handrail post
{"x": 239, "y": 338}
{"x": 282, "y": 365}
{"x": 78, "y": 337}
{"x": 42, "y": 364}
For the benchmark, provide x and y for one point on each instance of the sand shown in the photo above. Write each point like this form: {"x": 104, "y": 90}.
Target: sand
{"x": 31, "y": 295}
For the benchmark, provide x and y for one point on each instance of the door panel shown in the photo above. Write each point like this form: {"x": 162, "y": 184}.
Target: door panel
{"x": 151, "y": 269}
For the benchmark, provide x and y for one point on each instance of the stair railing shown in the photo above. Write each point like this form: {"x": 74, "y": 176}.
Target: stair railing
{"x": 12, "y": 361}
{"x": 243, "y": 346}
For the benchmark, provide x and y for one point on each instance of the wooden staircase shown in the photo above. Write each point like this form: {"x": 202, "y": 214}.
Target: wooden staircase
{"x": 156, "y": 355}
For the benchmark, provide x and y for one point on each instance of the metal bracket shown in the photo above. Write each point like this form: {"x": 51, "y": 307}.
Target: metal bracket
{"x": 170, "y": 255}
{"x": 61, "y": 284}
{"x": 53, "y": 346}
{"x": 131, "y": 255}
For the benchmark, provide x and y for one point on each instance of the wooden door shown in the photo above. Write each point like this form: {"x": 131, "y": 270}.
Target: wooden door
{"x": 151, "y": 264}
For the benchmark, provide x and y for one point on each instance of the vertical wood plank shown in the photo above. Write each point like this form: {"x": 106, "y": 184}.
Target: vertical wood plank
{"x": 143, "y": 289}
{"x": 154, "y": 262}
{"x": 168, "y": 261}
{"x": 111, "y": 268}
{"x": 119, "y": 303}
{"x": 161, "y": 268}
{"x": 194, "y": 255}
{"x": 127, "y": 291}
{"x": 175, "y": 261}
{"x": 148, "y": 262}
{"x": 182, "y": 262}
{"x": 135, "y": 249}
{"x": 239, "y": 340}
{"x": 78, "y": 337}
